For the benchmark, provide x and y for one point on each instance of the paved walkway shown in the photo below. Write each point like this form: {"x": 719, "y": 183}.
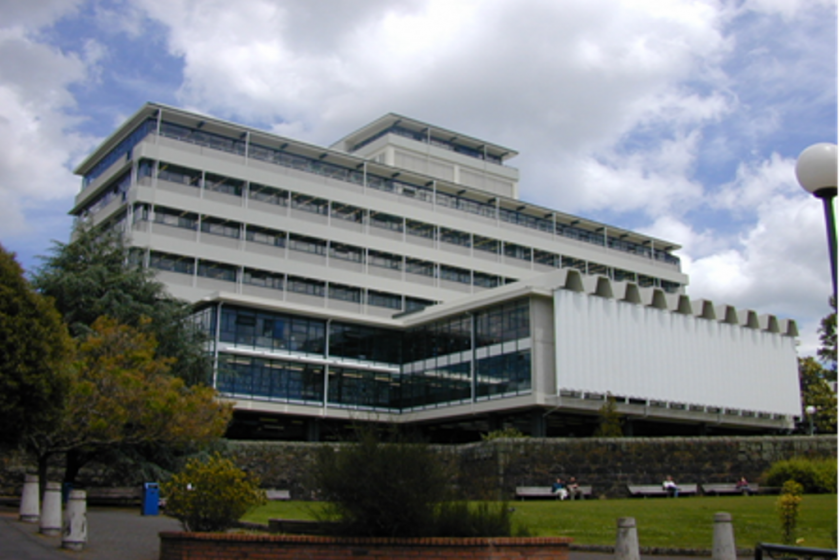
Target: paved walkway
{"x": 124, "y": 534}
{"x": 113, "y": 533}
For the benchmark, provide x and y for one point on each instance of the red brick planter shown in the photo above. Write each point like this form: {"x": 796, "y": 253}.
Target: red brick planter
{"x": 219, "y": 546}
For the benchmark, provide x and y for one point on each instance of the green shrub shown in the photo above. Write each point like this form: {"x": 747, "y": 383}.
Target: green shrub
{"x": 385, "y": 484}
{"x": 817, "y": 476}
{"x": 502, "y": 434}
{"x": 382, "y": 485}
{"x": 460, "y": 519}
{"x": 788, "y": 508}
{"x": 211, "y": 495}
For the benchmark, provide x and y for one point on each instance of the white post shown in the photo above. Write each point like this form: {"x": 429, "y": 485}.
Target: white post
{"x": 723, "y": 542}
{"x": 30, "y": 508}
{"x": 51, "y": 510}
{"x": 626, "y": 539}
{"x": 74, "y": 536}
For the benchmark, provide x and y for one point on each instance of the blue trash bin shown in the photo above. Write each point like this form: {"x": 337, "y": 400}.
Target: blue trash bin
{"x": 151, "y": 498}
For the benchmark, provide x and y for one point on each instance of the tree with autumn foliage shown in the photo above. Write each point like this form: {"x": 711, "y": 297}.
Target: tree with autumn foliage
{"x": 120, "y": 394}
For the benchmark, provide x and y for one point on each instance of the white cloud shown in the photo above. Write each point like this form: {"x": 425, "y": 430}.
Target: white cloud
{"x": 36, "y": 141}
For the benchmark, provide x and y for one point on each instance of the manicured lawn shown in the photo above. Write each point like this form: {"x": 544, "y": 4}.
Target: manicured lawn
{"x": 682, "y": 523}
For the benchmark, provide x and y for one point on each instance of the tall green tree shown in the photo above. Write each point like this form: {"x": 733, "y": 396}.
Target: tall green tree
{"x": 828, "y": 343}
{"x": 92, "y": 276}
{"x": 34, "y": 354}
{"x": 122, "y": 394}
{"x": 609, "y": 420}
{"x": 816, "y": 392}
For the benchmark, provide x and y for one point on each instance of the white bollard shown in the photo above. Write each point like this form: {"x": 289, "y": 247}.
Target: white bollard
{"x": 30, "y": 508}
{"x": 626, "y": 539}
{"x": 723, "y": 542}
{"x": 74, "y": 536}
{"x": 51, "y": 510}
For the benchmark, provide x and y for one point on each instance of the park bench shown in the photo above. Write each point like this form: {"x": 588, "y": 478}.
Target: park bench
{"x": 717, "y": 489}
{"x": 117, "y": 495}
{"x": 523, "y": 492}
{"x": 272, "y": 494}
{"x": 654, "y": 490}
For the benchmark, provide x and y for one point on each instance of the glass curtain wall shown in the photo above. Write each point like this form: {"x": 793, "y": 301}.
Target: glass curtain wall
{"x": 477, "y": 355}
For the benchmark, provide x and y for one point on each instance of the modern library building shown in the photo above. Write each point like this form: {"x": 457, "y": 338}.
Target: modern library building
{"x": 397, "y": 277}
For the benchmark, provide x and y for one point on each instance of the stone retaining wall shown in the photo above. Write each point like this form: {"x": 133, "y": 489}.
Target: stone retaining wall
{"x": 493, "y": 469}
{"x": 198, "y": 546}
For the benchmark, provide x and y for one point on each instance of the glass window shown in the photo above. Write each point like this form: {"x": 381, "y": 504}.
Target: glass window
{"x": 385, "y": 260}
{"x": 306, "y": 286}
{"x": 347, "y": 212}
{"x": 420, "y": 229}
{"x": 222, "y": 184}
{"x": 310, "y": 204}
{"x": 346, "y": 252}
{"x": 217, "y": 271}
{"x": 263, "y": 278}
{"x": 455, "y": 237}
{"x": 172, "y": 263}
{"x": 386, "y": 221}
{"x": 383, "y": 299}
{"x": 265, "y": 236}
{"x": 269, "y": 195}
{"x": 416, "y": 266}
{"x": 345, "y": 293}
{"x": 307, "y": 244}
{"x": 225, "y": 228}
{"x": 178, "y": 174}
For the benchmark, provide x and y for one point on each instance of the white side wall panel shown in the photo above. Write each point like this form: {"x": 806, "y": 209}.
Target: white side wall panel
{"x": 605, "y": 345}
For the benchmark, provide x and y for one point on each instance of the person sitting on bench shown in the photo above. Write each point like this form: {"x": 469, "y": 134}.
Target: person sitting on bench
{"x": 559, "y": 488}
{"x": 670, "y": 487}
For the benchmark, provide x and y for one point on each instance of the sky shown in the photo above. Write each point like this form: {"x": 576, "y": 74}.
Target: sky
{"x": 680, "y": 119}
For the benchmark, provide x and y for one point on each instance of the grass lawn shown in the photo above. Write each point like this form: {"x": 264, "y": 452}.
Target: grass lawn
{"x": 681, "y": 523}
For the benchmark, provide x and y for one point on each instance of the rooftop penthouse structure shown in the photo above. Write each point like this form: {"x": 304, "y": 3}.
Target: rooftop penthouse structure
{"x": 397, "y": 276}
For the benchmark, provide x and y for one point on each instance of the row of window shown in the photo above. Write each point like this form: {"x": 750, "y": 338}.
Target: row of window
{"x": 293, "y": 284}
{"x": 281, "y": 331}
{"x": 434, "y": 141}
{"x": 271, "y": 379}
{"x": 311, "y": 245}
{"x": 321, "y": 167}
{"x": 393, "y": 223}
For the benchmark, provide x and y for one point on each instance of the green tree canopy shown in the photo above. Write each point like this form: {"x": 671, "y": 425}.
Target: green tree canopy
{"x": 92, "y": 276}
{"x": 828, "y": 343}
{"x": 609, "y": 420}
{"x": 34, "y": 351}
{"x": 816, "y": 392}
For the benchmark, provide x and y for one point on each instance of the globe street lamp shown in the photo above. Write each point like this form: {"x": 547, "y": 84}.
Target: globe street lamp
{"x": 816, "y": 170}
{"x": 810, "y": 410}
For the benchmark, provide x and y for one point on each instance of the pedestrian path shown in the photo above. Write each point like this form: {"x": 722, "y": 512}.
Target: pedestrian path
{"x": 124, "y": 534}
{"x": 113, "y": 533}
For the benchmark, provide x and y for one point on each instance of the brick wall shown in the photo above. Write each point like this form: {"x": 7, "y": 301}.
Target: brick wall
{"x": 210, "y": 546}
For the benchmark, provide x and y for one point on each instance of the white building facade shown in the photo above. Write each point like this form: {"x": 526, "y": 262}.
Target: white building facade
{"x": 397, "y": 276}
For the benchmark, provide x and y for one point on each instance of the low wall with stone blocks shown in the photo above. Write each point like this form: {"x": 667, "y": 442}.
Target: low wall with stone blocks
{"x": 493, "y": 469}
{"x": 197, "y": 546}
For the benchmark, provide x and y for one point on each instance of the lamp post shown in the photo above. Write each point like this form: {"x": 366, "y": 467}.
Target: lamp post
{"x": 810, "y": 410}
{"x": 816, "y": 171}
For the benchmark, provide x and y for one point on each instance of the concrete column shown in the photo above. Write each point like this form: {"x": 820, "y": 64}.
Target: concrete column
{"x": 30, "y": 508}
{"x": 51, "y": 510}
{"x": 74, "y": 536}
{"x": 626, "y": 539}
{"x": 723, "y": 542}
